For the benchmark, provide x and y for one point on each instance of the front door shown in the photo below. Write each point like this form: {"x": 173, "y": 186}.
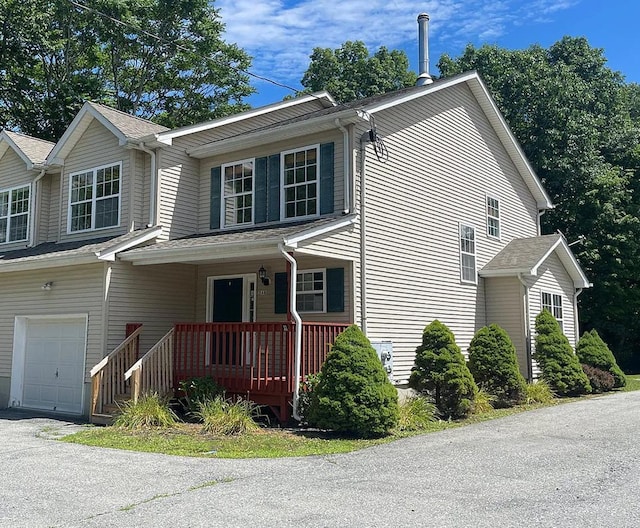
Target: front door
{"x": 227, "y": 300}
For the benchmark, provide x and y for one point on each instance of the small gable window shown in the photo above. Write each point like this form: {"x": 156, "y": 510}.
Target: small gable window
{"x": 300, "y": 182}
{"x": 14, "y": 214}
{"x": 493, "y": 217}
{"x": 237, "y": 192}
{"x": 468, "y": 254}
{"x": 94, "y": 198}
{"x": 552, "y": 302}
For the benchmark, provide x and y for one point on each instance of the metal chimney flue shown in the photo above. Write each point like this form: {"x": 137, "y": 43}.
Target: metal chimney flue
{"x": 423, "y": 45}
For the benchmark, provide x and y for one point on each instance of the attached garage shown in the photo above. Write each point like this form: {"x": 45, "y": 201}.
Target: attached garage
{"x": 49, "y": 363}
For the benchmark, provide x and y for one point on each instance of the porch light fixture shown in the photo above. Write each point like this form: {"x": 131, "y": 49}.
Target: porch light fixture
{"x": 262, "y": 275}
{"x": 47, "y": 286}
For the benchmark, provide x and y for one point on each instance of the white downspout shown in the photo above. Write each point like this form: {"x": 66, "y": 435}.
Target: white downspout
{"x": 527, "y": 328}
{"x": 34, "y": 207}
{"x": 539, "y": 227}
{"x": 153, "y": 190}
{"x": 363, "y": 235}
{"x": 347, "y": 167}
{"x": 298, "y": 336}
{"x": 575, "y": 315}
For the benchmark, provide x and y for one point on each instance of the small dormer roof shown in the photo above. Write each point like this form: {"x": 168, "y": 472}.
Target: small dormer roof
{"x": 33, "y": 151}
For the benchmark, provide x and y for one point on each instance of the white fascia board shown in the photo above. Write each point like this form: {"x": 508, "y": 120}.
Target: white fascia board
{"x": 49, "y": 262}
{"x": 110, "y": 253}
{"x": 277, "y": 133}
{"x": 568, "y": 261}
{"x": 166, "y": 138}
{"x": 534, "y": 269}
{"x": 4, "y": 137}
{"x": 504, "y": 272}
{"x": 293, "y": 240}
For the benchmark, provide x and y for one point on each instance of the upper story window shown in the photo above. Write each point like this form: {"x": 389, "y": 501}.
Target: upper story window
{"x": 552, "y": 302}
{"x": 94, "y": 198}
{"x": 468, "y": 254}
{"x": 300, "y": 182}
{"x": 493, "y": 217}
{"x": 14, "y": 214}
{"x": 310, "y": 291}
{"x": 237, "y": 193}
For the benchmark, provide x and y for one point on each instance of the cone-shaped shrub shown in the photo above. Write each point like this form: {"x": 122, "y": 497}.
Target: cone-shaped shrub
{"x": 354, "y": 394}
{"x": 560, "y": 366}
{"x": 494, "y": 366}
{"x": 441, "y": 372}
{"x": 593, "y": 351}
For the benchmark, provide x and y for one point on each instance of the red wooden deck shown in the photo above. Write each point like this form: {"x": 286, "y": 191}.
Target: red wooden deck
{"x": 252, "y": 360}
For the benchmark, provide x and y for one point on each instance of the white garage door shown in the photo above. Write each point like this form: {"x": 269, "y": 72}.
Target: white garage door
{"x": 54, "y": 364}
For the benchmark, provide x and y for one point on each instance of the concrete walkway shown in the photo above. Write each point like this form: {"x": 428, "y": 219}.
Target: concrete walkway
{"x": 573, "y": 465}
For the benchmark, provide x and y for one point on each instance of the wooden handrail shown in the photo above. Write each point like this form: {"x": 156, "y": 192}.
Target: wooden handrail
{"x": 153, "y": 372}
{"x": 98, "y": 367}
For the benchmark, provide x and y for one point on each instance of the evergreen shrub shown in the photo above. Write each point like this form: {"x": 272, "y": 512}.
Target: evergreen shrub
{"x": 440, "y": 371}
{"x": 600, "y": 380}
{"x": 353, "y": 394}
{"x": 560, "y": 366}
{"x": 593, "y": 351}
{"x": 494, "y": 366}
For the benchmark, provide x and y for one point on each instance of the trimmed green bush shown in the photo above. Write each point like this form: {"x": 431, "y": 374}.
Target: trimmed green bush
{"x": 440, "y": 371}
{"x": 600, "y": 380}
{"x": 592, "y": 350}
{"x": 560, "y": 366}
{"x": 494, "y": 366}
{"x": 353, "y": 394}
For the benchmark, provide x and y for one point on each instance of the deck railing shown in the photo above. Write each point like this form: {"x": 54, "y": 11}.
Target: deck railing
{"x": 153, "y": 372}
{"x": 317, "y": 339}
{"x": 107, "y": 377}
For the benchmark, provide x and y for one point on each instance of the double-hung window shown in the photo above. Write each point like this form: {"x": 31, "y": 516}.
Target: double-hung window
{"x": 300, "y": 182}
{"x": 14, "y": 214}
{"x": 237, "y": 193}
{"x": 467, "y": 254}
{"x": 94, "y": 198}
{"x": 310, "y": 291}
{"x": 552, "y": 302}
{"x": 493, "y": 217}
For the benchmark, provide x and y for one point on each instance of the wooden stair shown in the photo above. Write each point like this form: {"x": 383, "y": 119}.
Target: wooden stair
{"x": 110, "y": 410}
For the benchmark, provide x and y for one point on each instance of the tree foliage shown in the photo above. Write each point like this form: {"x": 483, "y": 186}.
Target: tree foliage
{"x": 440, "y": 371}
{"x": 593, "y": 351}
{"x": 578, "y": 123}
{"x": 560, "y": 366}
{"x": 165, "y": 60}
{"x": 350, "y": 72}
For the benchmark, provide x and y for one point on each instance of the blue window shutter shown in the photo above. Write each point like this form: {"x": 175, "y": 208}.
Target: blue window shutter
{"x": 260, "y": 190}
{"x": 335, "y": 289}
{"x": 273, "y": 188}
{"x": 281, "y": 293}
{"x": 326, "y": 178}
{"x": 214, "y": 210}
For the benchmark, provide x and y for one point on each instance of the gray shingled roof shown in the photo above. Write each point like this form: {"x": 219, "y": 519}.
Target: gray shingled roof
{"x": 35, "y": 149}
{"x": 522, "y": 254}
{"x": 131, "y": 126}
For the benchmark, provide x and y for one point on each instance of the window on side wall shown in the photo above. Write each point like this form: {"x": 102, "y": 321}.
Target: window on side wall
{"x": 493, "y": 217}
{"x": 468, "y": 254}
{"x": 552, "y": 302}
{"x": 14, "y": 214}
{"x": 237, "y": 193}
{"x": 94, "y": 198}
{"x": 300, "y": 182}
{"x": 311, "y": 291}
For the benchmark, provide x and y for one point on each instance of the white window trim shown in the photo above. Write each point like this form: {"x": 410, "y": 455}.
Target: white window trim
{"x": 10, "y": 190}
{"x": 324, "y": 290}
{"x": 223, "y": 202}
{"x": 283, "y": 217}
{"x": 486, "y": 205}
{"x": 475, "y": 252}
{"x": 94, "y": 170}
{"x": 553, "y": 294}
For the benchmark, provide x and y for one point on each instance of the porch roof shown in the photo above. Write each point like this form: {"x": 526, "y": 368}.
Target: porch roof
{"x": 55, "y": 254}
{"x": 238, "y": 243}
{"x": 524, "y": 256}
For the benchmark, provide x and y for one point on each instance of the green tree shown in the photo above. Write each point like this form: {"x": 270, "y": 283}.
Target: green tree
{"x": 593, "y": 351}
{"x": 353, "y": 394}
{"x": 560, "y": 366}
{"x": 578, "y": 123}
{"x": 350, "y": 72}
{"x": 440, "y": 371}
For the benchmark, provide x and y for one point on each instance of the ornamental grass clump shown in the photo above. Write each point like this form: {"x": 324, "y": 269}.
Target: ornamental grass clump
{"x": 225, "y": 417}
{"x": 149, "y": 411}
{"x": 353, "y": 394}
{"x": 560, "y": 366}
{"x": 440, "y": 372}
{"x": 494, "y": 366}
{"x": 539, "y": 392}
{"x": 417, "y": 413}
{"x": 593, "y": 351}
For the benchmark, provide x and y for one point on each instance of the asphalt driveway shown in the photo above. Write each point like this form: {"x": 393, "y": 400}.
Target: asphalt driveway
{"x": 573, "y": 465}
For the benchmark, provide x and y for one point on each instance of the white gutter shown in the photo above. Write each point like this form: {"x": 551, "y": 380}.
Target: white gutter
{"x": 527, "y": 328}
{"x": 153, "y": 190}
{"x": 298, "y": 336}
{"x": 363, "y": 235}
{"x": 539, "y": 227}
{"x": 34, "y": 206}
{"x": 575, "y": 315}
{"x": 347, "y": 168}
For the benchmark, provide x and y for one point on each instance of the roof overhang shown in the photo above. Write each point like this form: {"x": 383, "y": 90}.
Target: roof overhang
{"x": 279, "y": 133}
{"x": 109, "y": 253}
{"x": 7, "y": 142}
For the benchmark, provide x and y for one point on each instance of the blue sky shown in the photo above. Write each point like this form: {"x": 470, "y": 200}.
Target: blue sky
{"x": 281, "y": 34}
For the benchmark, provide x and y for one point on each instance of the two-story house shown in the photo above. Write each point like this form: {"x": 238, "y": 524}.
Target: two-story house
{"x": 243, "y": 245}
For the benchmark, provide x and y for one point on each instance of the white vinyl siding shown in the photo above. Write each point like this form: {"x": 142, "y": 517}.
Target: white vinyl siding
{"x": 14, "y": 214}
{"x": 468, "y": 271}
{"x": 493, "y": 217}
{"x": 300, "y": 183}
{"x": 311, "y": 294}
{"x": 14, "y": 175}
{"x": 237, "y": 193}
{"x": 552, "y": 302}
{"x": 94, "y": 198}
